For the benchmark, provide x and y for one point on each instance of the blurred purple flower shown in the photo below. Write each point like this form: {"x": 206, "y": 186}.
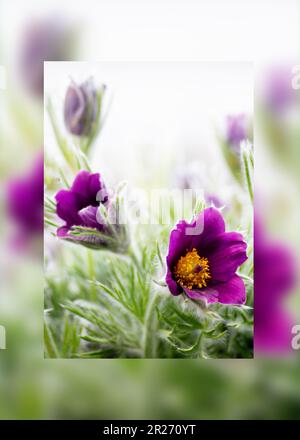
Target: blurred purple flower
{"x": 274, "y": 277}
{"x": 81, "y": 108}
{"x": 278, "y": 92}
{"x": 204, "y": 265}
{"x": 49, "y": 39}
{"x": 236, "y": 130}
{"x": 213, "y": 200}
{"x": 188, "y": 177}
{"x": 191, "y": 177}
{"x": 25, "y": 203}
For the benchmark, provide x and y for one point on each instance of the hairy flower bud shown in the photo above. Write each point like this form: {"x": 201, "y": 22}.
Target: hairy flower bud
{"x": 81, "y": 108}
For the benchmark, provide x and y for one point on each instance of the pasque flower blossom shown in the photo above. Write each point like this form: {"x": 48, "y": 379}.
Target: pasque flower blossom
{"x": 203, "y": 259}
{"x": 81, "y": 108}
{"x": 84, "y": 224}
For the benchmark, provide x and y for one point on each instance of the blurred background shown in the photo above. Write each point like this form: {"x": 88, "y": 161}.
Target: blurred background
{"x": 31, "y": 387}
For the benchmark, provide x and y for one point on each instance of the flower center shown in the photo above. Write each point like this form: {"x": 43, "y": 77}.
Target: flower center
{"x": 192, "y": 270}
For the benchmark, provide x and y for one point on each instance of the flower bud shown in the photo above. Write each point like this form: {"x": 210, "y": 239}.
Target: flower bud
{"x": 81, "y": 108}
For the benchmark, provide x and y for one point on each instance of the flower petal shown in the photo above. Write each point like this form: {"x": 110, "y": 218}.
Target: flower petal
{"x": 232, "y": 292}
{"x": 209, "y": 295}
{"x": 175, "y": 289}
{"x": 67, "y": 207}
{"x": 62, "y": 232}
{"x": 206, "y": 225}
{"x": 86, "y": 187}
{"x": 225, "y": 254}
{"x": 88, "y": 217}
{"x": 91, "y": 218}
{"x": 179, "y": 243}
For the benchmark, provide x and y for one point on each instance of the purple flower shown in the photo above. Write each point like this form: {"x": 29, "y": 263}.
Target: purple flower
{"x": 278, "y": 92}
{"x": 192, "y": 177}
{"x": 81, "y": 108}
{"x": 236, "y": 130}
{"x": 212, "y": 199}
{"x": 203, "y": 260}
{"x": 25, "y": 203}
{"x": 80, "y": 207}
{"x": 274, "y": 277}
{"x": 45, "y": 40}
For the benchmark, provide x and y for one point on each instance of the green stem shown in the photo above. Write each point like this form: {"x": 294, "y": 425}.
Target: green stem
{"x": 92, "y": 275}
{"x": 50, "y": 223}
{"x": 199, "y": 345}
{"x": 150, "y": 329}
{"x": 248, "y": 175}
{"x": 50, "y": 345}
{"x": 159, "y": 256}
{"x": 61, "y": 141}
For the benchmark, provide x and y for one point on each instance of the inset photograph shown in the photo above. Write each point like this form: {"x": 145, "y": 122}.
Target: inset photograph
{"x": 148, "y": 238}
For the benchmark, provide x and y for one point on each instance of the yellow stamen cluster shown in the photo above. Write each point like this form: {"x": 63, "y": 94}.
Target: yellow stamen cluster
{"x": 192, "y": 271}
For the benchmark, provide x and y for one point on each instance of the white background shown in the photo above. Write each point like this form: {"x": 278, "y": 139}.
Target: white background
{"x": 163, "y": 116}
{"x": 171, "y": 29}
